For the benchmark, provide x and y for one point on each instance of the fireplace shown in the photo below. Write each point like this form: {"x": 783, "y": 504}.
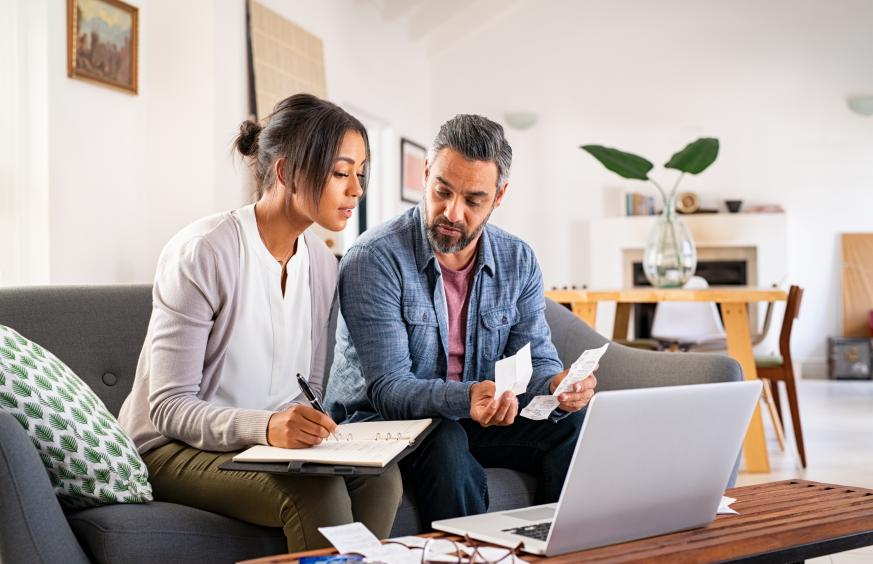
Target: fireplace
{"x": 715, "y": 272}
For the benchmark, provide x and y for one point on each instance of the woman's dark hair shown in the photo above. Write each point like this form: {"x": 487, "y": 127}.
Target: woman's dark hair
{"x": 307, "y": 132}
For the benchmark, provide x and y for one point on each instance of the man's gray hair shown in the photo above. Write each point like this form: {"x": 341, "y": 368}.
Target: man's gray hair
{"x": 477, "y": 138}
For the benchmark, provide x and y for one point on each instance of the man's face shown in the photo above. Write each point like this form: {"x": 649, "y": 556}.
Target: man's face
{"x": 459, "y": 198}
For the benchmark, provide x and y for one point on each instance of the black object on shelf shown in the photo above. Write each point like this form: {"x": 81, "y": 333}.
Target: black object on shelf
{"x": 849, "y": 358}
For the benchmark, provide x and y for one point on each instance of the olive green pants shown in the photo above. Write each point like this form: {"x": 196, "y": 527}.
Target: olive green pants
{"x": 298, "y": 504}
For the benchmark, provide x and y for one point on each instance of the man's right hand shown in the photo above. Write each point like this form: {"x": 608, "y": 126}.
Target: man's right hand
{"x": 299, "y": 426}
{"x": 487, "y": 410}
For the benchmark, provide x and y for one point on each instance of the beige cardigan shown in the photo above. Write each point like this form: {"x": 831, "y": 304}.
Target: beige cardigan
{"x": 194, "y": 308}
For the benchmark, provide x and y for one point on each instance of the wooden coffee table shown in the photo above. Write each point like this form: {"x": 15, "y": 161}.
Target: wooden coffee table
{"x": 786, "y": 521}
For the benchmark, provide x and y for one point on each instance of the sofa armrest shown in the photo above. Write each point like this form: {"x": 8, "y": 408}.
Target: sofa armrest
{"x": 33, "y": 527}
{"x": 625, "y": 367}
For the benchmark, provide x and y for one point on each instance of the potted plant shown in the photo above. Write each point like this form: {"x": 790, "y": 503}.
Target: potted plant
{"x": 670, "y": 257}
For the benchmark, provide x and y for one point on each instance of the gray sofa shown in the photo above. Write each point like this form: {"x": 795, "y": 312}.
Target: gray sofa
{"x": 98, "y": 331}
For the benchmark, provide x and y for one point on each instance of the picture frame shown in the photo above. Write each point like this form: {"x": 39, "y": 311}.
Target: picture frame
{"x": 103, "y": 43}
{"x": 412, "y": 158}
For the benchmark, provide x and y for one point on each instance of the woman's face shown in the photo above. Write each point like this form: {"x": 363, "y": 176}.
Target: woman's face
{"x": 344, "y": 185}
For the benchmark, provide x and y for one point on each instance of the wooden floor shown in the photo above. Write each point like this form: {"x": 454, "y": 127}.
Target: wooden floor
{"x": 838, "y": 431}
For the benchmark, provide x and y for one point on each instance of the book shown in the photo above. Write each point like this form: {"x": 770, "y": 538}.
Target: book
{"x": 369, "y": 443}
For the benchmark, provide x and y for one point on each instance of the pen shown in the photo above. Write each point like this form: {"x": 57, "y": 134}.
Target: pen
{"x": 310, "y": 396}
{"x": 307, "y": 391}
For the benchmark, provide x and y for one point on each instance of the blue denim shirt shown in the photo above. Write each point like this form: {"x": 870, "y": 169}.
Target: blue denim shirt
{"x": 391, "y": 359}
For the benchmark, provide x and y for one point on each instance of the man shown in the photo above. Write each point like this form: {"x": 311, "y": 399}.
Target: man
{"x": 430, "y": 301}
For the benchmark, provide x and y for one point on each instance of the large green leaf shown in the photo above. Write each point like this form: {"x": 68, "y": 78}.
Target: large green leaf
{"x": 626, "y": 165}
{"x": 695, "y": 157}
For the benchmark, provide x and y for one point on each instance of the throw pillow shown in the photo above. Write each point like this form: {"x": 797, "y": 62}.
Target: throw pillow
{"x": 89, "y": 459}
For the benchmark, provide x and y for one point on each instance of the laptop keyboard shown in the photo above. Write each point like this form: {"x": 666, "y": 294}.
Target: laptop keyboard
{"x": 540, "y": 531}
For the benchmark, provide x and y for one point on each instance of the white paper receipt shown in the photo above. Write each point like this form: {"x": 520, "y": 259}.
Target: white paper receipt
{"x": 581, "y": 369}
{"x": 513, "y": 373}
{"x": 542, "y": 406}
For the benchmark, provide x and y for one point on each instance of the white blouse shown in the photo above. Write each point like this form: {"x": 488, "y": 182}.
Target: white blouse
{"x": 272, "y": 339}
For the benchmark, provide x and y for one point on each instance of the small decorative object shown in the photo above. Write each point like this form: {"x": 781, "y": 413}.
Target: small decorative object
{"x": 412, "y": 157}
{"x": 670, "y": 257}
{"x": 687, "y": 202}
{"x": 849, "y": 358}
{"x": 102, "y": 37}
{"x": 733, "y": 206}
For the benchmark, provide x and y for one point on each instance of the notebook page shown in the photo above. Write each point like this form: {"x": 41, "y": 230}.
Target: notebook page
{"x": 356, "y": 453}
{"x": 381, "y": 430}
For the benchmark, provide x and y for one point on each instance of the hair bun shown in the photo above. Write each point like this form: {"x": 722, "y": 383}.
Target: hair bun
{"x": 247, "y": 140}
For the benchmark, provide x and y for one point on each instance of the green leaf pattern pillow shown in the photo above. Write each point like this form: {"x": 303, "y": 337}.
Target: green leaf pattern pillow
{"x": 89, "y": 459}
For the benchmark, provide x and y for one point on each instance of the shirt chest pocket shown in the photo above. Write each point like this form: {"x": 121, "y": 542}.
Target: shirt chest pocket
{"x": 494, "y": 330}
{"x": 422, "y": 331}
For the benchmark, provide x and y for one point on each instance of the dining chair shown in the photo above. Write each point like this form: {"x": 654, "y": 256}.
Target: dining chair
{"x": 779, "y": 368}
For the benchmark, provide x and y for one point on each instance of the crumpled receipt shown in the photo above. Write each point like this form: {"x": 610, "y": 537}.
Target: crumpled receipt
{"x": 541, "y": 407}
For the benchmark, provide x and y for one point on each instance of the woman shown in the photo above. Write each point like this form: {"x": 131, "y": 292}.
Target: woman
{"x": 241, "y": 305}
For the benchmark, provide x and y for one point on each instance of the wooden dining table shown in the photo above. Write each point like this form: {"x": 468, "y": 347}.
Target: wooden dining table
{"x": 734, "y": 302}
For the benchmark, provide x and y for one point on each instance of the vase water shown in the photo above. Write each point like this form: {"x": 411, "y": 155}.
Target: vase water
{"x": 670, "y": 258}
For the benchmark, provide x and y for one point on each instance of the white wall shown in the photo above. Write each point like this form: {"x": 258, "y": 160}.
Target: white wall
{"x": 768, "y": 78}
{"x": 125, "y": 172}
{"x": 373, "y": 68}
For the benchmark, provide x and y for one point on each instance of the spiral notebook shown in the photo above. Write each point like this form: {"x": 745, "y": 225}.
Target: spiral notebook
{"x": 370, "y": 444}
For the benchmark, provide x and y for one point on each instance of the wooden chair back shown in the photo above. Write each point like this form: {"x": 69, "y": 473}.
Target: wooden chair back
{"x": 792, "y": 312}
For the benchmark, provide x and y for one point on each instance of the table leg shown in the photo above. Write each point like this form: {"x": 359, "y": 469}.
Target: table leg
{"x": 622, "y": 321}
{"x": 587, "y": 311}
{"x": 739, "y": 342}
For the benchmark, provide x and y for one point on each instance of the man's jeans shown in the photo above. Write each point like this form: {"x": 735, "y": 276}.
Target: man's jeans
{"x": 447, "y": 471}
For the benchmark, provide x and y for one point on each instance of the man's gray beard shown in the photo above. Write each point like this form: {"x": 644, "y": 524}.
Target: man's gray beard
{"x": 444, "y": 244}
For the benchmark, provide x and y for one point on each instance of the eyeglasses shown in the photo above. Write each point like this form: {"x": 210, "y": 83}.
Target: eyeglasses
{"x": 443, "y": 551}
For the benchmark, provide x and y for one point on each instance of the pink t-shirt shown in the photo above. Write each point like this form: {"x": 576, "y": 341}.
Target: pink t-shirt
{"x": 457, "y": 286}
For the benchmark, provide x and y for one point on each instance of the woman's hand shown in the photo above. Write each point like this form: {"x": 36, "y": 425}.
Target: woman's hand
{"x": 299, "y": 426}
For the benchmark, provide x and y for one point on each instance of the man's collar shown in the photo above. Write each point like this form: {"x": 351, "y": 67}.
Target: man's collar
{"x": 424, "y": 254}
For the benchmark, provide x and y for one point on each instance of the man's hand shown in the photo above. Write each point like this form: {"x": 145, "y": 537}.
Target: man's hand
{"x": 299, "y": 426}
{"x": 578, "y": 395}
{"x": 487, "y": 410}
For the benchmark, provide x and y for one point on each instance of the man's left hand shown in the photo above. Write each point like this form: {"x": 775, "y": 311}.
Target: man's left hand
{"x": 577, "y": 396}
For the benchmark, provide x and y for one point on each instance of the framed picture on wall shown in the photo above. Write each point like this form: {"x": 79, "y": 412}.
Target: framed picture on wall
{"x": 412, "y": 157}
{"x": 102, "y": 39}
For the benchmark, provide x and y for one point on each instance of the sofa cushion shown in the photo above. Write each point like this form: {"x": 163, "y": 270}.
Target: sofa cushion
{"x": 167, "y": 532}
{"x": 88, "y": 457}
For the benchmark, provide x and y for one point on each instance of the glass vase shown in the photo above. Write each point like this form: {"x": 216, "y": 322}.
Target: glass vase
{"x": 670, "y": 258}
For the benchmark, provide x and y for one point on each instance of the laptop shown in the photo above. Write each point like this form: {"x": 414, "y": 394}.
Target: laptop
{"x": 648, "y": 462}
